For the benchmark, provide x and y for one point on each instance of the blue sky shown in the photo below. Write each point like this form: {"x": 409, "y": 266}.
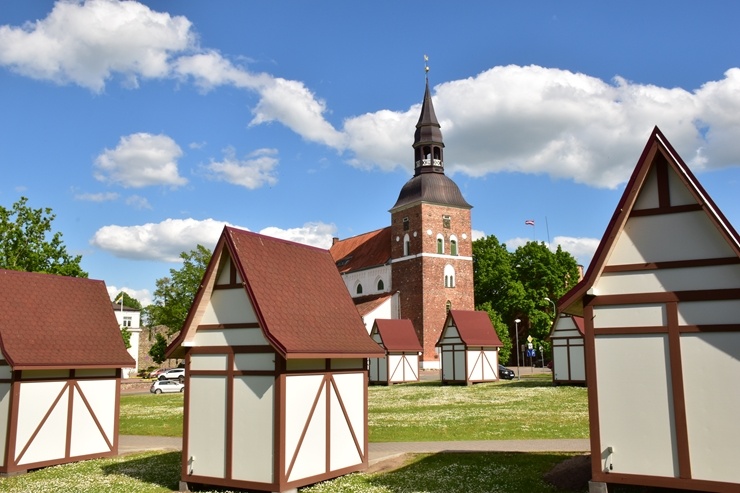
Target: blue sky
{"x": 147, "y": 126}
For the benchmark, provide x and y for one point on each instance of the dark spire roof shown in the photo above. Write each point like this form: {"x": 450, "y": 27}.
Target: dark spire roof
{"x": 429, "y": 183}
{"x": 428, "y": 130}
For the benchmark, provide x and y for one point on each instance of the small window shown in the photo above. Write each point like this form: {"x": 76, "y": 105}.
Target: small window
{"x": 453, "y": 247}
{"x": 405, "y": 223}
{"x": 440, "y": 246}
{"x": 449, "y": 276}
{"x": 359, "y": 289}
{"x": 448, "y": 306}
{"x": 381, "y": 286}
{"x": 406, "y": 245}
{"x": 446, "y": 222}
{"x": 127, "y": 321}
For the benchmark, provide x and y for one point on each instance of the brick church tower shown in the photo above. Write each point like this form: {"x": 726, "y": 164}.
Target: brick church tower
{"x": 431, "y": 244}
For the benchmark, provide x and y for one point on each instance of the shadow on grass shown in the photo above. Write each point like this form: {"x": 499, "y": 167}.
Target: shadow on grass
{"x": 159, "y": 469}
{"x": 449, "y": 472}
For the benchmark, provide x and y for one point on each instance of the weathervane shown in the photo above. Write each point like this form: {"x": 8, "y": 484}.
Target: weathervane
{"x": 426, "y": 67}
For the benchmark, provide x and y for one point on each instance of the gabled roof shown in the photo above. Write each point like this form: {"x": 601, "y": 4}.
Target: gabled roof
{"x": 57, "y": 322}
{"x": 397, "y": 334}
{"x": 366, "y": 304}
{"x": 475, "y": 328}
{"x": 577, "y": 322}
{"x": 659, "y": 154}
{"x": 301, "y": 302}
{"x": 363, "y": 251}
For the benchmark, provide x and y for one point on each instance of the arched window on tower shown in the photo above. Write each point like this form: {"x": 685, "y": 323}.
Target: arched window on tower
{"x": 449, "y": 276}
{"x": 406, "y": 245}
{"x": 448, "y": 306}
{"x": 440, "y": 244}
{"x": 453, "y": 245}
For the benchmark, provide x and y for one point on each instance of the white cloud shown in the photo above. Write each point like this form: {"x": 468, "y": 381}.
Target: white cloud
{"x": 255, "y": 171}
{"x": 582, "y": 249}
{"x": 97, "y": 197}
{"x": 143, "y": 296}
{"x": 477, "y": 234}
{"x": 165, "y": 241}
{"x": 87, "y": 43}
{"x": 141, "y": 160}
{"x": 162, "y": 241}
{"x": 138, "y": 202}
{"x": 314, "y": 234}
{"x": 541, "y": 120}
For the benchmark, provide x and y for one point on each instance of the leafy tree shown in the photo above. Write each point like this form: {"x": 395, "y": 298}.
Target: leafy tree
{"x": 26, "y": 246}
{"x": 501, "y": 330}
{"x": 514, "y": 285}
{"x": 173, "y": 295}
{"x": 128, "y": 301}
{"x": 158, "y": 349}
{"x": 126, "y": 335}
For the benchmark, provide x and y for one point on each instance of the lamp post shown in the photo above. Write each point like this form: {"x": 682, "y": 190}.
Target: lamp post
{"x": 516, "y": 332}
{"x": 554, "y": 308}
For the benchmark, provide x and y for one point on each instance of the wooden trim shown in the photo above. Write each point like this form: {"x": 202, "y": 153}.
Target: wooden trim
{"x": 667, "y": 297}
{"x": 664, "y": 482}
{"x": 228, "y": 286}
{"x": 299, "y": 444}
{"x": 92, "y": 414}
{"x": 359, "y": 449}
{"x": 661, "y": 211}
{"x": 592, "y": 390}
{"x": 609, "y": 331}
{"x": 185, "y": 459}
{"x": 266, "y": 348}
{"x": 229, "y": 424}
{"x": 280, "y": 477}
{"x": 673, "y": 264}
{"x": 679, "y": 400}
{"x": 249, "y": 325}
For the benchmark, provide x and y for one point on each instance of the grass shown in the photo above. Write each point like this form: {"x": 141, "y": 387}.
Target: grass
{"x": 151, "y": 415}
{"x": 439, "y": 473}
{"x": 428, "y": 411}
{"x": 528, "y": 409}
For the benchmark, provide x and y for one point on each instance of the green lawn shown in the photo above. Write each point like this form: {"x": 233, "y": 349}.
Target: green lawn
{"x": 427, "y": 411}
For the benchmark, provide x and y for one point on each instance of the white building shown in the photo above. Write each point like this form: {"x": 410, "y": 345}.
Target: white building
{"x": 130, "y": 319}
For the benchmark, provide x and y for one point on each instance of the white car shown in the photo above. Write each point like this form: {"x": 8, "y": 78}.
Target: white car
{"x": 161, "y": 386}
{"x": 173, "y": 374}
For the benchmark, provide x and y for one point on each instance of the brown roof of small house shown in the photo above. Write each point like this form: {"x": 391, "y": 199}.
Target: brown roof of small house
{"x": 366, "y": 304}
{"x": 301, "y": 302}
{"x": 656, "y": 148}
{"x": 54, "y": 322}
{"x": 475, "y": 328}
{"x": 398, "y": 334}
{"x": 362, "y": 251}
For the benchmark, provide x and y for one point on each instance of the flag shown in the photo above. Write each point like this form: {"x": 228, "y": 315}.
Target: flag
{"x": 529, "y": 222}
{"x": 119, "y": 300}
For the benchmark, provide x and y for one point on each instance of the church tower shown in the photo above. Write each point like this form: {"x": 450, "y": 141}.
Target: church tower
{"x": 431, "y": 244}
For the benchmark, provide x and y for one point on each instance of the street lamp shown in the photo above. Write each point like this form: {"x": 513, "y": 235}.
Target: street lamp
{"x": 516, "y": 332}
{"x": 554, "y": 308}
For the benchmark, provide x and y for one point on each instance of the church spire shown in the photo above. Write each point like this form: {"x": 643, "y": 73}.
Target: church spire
{"x": 428, "y": 145}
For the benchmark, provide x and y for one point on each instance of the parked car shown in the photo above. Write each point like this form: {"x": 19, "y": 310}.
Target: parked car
{"x": 161, "y": 386}
{"x": 173, "y": 374}
{"x": 504, "y": 373}
{"x": 156, "y": 373}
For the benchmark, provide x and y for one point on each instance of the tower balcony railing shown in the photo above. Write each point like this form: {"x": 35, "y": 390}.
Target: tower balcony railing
{"x": 429, "y": 162}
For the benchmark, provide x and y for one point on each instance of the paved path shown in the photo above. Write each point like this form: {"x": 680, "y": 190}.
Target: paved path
{"x": 380, "y": 451}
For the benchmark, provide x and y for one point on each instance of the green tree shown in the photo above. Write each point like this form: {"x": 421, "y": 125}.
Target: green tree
{"x": 173, "y": 295}
{"x": 515, "y": 285}
{"x": 501, "y": 330}
{"x": 158, "y": 349}
{"x": 128, "y": 301}
{"x": 25, "y": 244}
{"x": 126, "y": 335}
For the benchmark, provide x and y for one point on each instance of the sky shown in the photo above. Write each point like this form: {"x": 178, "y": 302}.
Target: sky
{"x": 148, "y": 126}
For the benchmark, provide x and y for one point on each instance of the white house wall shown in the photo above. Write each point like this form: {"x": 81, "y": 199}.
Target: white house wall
{"x": 369, "y": 280}
{"x": 253, "y": 450}
{"x": 403, "y": 368}
{"x": 100, "y": 396}
{"x": 5, "y": 375}
{"x": 309, "y": 456}
{"x": 229, "y": 337}
{"x": 228, "y": 306}
{"x": 568, "y": 355}
{"x": 711, "y": 364}
{"x": 482, "y": 364}
{"x": 635, "y": 431}
{"x": 207, "y": 425}
{"x": 384, "y": 311}
{"x": 347, "y": 407}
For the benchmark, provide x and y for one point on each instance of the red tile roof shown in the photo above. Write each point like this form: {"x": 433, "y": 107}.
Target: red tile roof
{"x": 363, "y": 251}
{"x": 397, "y": 334}
{"x": 55, "y": 322}
{"x": 303, "y": 306}
{"x": 366, "y": 304}
{"x": 474, "y": 327}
